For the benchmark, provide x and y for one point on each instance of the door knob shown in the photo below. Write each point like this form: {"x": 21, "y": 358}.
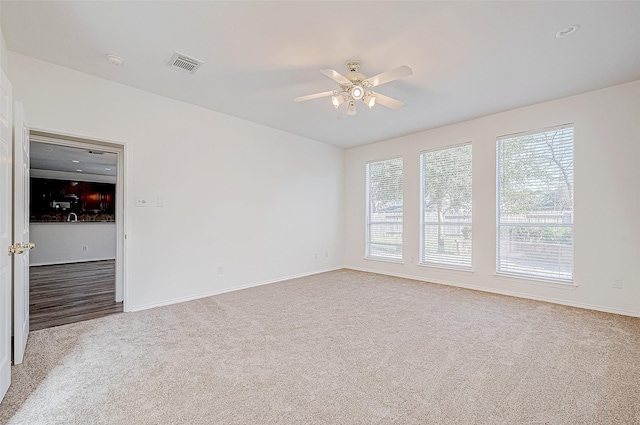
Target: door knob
{"x": 16, "y": 249}
{"x": 29, "y": 245}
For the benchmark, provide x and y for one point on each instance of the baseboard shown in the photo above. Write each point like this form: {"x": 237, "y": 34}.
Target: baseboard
{"x": 502, "y": 292}
{"x": 51, "y": 263}
{"x": 223, "y": 291}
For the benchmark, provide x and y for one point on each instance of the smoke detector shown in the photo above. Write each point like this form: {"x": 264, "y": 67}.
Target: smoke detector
{"x": 184, "y": 63}
{"x": 115, "y": 60}
{"x": 567, "y": 31}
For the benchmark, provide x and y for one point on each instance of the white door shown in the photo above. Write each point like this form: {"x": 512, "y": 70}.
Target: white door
{"x": 21, "y": 165}
{"x": 6, "y": 205}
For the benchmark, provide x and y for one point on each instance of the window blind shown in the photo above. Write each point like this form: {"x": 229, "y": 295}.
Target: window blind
{"x": 384, "y": 209}
{"x": 535, "y": 204}
{"x": 446, "y": 189}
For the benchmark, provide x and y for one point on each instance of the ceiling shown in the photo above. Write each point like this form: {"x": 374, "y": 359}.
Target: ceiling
{"x": 45, "y": 156}
{"x": 469, "y": 59}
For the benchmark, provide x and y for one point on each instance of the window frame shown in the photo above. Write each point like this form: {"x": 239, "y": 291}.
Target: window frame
{"x": 368, "y": 222}
{"x": 528, "y": 276}
{"x": 422, "y": 223}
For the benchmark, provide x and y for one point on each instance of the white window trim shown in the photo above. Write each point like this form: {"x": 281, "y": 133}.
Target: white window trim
{"x": 368, "y": 216}
{"x": 384, "y": 260}
{"x": 447, "y": 269}
{"x": 530, "y": 279}
{"x": 421, "y": 222}
{"x": 559, "y": 284}
{"x": 536, "y": 131}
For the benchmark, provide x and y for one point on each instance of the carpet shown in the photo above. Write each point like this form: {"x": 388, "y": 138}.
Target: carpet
{"x": 343, "y": 347}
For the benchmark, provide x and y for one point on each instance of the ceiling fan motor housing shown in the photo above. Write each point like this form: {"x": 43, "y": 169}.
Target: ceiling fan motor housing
{"x": 353, "y": 66}
{"x": 359, "y": 81}
{"x": 355, "y": 86}
{"x": 356, "y": 79}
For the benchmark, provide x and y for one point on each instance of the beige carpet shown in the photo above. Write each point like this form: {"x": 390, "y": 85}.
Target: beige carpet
{"x": 337, "y": 348}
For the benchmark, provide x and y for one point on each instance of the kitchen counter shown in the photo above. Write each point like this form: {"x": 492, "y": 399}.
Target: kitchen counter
{"x": 71, "y": 222}
{"x": 84, "y": 217}
{"x": 59, "y": 242}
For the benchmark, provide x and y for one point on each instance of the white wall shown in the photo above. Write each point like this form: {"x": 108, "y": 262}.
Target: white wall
{"x": 59, "y": 243}
{"x": 3, "y": 48}
{"x": 261, "y": 203}
{"x": 257, "y": 201}
{"x": 607, "y": 199}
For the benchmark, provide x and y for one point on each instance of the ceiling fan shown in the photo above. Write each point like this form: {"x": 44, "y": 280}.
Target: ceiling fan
{"x": 355, "y": 86}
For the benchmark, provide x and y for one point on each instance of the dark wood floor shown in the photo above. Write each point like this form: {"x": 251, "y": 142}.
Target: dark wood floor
{"x": 68, "y": 293}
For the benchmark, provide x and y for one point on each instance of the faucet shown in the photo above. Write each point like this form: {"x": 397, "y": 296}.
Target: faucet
{"x": 75, "y": 217}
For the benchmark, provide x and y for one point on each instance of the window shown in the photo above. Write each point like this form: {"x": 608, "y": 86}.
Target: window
{"x": 445, "y": 176}
{"x": 535, "y": 204}
{"x": 384, "y": 209}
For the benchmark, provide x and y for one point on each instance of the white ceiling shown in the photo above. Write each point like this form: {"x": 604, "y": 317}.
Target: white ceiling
{"x": 469, "y": 58}
{"x": 45, "y": 156}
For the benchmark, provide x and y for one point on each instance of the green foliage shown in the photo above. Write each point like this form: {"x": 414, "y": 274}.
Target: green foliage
{"x": 536, "y": 172}
{"x": 387, "y": 238}
{"x": 556, "y": 235}
{"x": 447, "y": 180}
{"x": 385, "y": 184}
{"x": 441, "y": 246}
{"x": 447, "y": 186}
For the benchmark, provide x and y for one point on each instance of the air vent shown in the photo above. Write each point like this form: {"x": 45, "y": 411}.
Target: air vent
{"x": 184, "y": 63}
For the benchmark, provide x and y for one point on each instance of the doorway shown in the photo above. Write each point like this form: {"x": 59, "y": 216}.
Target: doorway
{"x": 76, "y": 221}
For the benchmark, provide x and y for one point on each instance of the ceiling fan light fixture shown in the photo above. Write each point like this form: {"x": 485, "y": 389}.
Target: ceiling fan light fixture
{"x": 357, "y": 92}
{"x": 352, "y": 108}
{"x": 369, "y": 100}
{"x": 354, "y": 86}
{"x": 336, "y": 101}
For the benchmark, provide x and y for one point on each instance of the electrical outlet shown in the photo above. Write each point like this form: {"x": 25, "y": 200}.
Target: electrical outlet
{"x": 617, "y": 283}
{"x": 142, "y": 202}
{"x": 326, "y": 254}
{"x": 220, "y": 270}
{"x": 85, "y": 248}
{"x": 315, "y": 255}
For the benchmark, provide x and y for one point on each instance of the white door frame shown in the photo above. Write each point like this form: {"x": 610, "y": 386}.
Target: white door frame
{"x": 6, "y": 230}
{"x": 120, "y": 149}
{"x": 21, "y": 169}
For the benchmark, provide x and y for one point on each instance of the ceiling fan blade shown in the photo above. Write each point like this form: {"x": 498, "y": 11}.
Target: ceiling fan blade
{"x": 387, "y": 101}
{"x": 394, "y": 74}
{"x": 314, "y": 96}
{"x": 335, "y": 76}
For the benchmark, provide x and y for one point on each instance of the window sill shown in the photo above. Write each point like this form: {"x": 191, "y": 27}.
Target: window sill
{"x": 535, "y": 281}
{"x": 468, "y": 272}
{"x": 384, "y": 260}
